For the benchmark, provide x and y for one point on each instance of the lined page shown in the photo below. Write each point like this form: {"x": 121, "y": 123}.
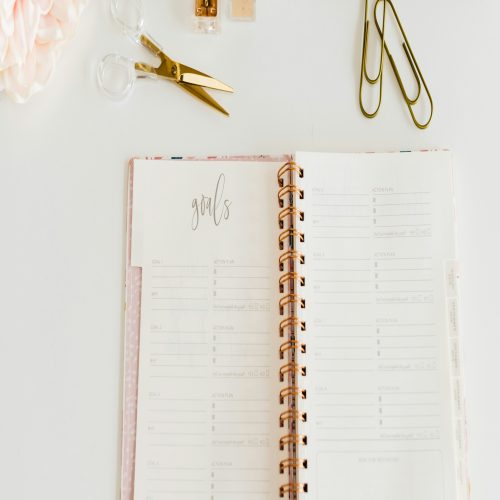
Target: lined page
{"x": 208, "y": 411}
{"x": 379, "y": 236}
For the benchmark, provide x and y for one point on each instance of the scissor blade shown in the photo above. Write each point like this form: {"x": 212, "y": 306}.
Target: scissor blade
{"x": 201, "y": 94}
{"x": 195, "y": 77}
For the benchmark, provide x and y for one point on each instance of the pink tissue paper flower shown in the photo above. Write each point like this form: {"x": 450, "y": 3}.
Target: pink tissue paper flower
{"x": 32, "y": 33}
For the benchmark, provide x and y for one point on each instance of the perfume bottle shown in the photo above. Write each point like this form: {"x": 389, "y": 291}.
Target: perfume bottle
{"x": 206, "y": 16}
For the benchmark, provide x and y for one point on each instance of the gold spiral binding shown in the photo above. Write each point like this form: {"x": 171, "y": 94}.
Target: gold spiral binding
{"x": 291, "y": 255}
{"x": 296, "y": 463}
{"x": 289, "y": 322}
{"x": 292, "y": 438}
{"x": 287, "y": 392}
{"x": 294, "y": 345}
{"x": 290, "y": 233}
{"x": 292, "y": 367}
{"x": 291, "y": 328}
{"x": 293, "y": 488}
{"x": 286, "y": 278}
{"x": 288, "y": 167}
{"x": 289, "y": 299}
{"x": 288, "y": 212}
{"x": 292, "y": 415}
{"x": 288, "y": 189}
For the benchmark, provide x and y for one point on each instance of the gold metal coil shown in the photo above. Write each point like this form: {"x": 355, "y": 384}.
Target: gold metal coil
{"x": 293, "y": 488}
{"x": 290, "y": 302}
{"x": 292, "y": 463}
{"x": 291, "y": 255}
{"x": 291, "y": 344}
{"x": 289, "y": 189}
{"x": 288, "y": 277}
{"x": 290, "y": 233}
{"x": 292, "y": 321}
{"x": 293, "y": 439}
{"x": 291, "y": 166}
{"x": 292, "y": 391}
{"x": 292, "y": 367}
{"x": 287, "y": 212}
{"x": 294, "y": 415}
{"x": 289, "y": 299}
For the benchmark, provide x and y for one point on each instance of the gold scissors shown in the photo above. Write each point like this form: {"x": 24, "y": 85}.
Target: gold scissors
{"x": 117, "y": 74}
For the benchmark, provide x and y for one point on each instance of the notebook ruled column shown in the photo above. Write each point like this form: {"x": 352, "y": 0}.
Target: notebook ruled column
{"x": 292, "y": 329}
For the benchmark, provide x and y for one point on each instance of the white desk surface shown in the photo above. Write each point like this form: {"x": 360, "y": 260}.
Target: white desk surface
{"x": 62, "y": 191}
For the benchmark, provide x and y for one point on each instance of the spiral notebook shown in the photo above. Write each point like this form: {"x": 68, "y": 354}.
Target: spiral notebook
{"x": 291, "y": 329}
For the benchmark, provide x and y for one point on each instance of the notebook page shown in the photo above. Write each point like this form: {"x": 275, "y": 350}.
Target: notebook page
{"x": 379, "y": 238}
{"x": 207, "y": 402}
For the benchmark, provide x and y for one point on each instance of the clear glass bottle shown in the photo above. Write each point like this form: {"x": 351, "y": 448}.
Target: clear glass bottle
{"x": 206, "y": 16}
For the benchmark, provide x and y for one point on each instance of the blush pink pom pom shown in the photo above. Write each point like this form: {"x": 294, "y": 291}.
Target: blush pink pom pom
{"x": 32, "y": 33}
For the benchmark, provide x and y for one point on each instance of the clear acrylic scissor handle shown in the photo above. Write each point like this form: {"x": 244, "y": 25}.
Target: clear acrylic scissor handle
{"x": 129, "y": 15}
{"x": 116, "y": 76}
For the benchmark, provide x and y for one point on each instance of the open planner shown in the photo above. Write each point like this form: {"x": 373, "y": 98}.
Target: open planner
{"x": 291, "y": 330}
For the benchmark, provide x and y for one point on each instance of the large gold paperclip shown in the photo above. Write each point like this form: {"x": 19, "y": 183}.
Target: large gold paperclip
{"x": 364, "y": 72}
{"x": 415, "y": 68}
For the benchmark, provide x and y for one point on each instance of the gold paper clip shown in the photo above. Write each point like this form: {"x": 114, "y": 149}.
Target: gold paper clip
{"x": 417, "y": 73}
{"x": 364, "y": 73}
{"x": 414, "y": 67}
